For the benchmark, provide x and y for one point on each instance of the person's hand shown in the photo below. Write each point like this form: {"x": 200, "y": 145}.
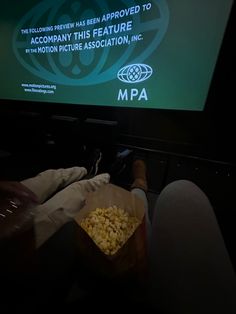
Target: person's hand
{"x": 46, "y": 183}
{"x": 63, "y": 205}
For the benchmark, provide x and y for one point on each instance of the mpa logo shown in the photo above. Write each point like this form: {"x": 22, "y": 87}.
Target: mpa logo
{"x": 134, "y": 73}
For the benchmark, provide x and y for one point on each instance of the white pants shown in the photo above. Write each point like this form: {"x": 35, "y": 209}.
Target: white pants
{"x": 191, "y": 271}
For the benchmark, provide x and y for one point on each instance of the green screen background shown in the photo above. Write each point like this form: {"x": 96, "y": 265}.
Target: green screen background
{"x": 181, "y": 42}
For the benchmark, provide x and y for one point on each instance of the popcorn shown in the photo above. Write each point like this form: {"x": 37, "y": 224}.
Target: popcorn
{"x": 109, "y": 228}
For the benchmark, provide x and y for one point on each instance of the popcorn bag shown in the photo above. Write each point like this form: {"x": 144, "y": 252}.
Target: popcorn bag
{"x": 130, "y": 260}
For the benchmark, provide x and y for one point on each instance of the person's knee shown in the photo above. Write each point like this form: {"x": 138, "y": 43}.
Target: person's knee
{"x": 182, "y": 191}
{"x": 181, "y": 198}
{"x": 182, "y": 186}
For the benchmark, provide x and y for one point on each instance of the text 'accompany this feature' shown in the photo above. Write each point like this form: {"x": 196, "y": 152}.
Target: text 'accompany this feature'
{"x": 76, "y": 44}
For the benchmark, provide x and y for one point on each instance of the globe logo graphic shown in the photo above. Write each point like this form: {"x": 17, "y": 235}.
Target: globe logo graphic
{"x": 134, "y": 73}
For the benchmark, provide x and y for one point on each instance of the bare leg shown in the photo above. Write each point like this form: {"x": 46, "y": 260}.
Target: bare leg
{"x": 191, "y": 268}
{"x": 139, "y": 187}
{"x": 142, "y": 195}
